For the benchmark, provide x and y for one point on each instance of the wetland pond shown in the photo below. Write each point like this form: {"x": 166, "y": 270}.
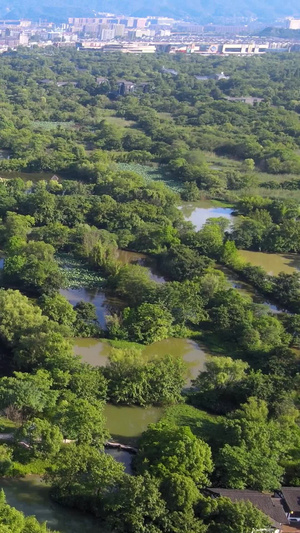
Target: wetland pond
{"x": 126, "y": 424}
{"x": 199, "y": 212}
{"x": 31, "y": 496}
{"x": 106, "y": 304}
{"x": 273, "y": 263}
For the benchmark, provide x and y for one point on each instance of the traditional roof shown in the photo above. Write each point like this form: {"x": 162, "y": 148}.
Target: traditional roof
{"x": 125, "y": 82}
{"x": 292, "y": 497}
{"x": 169, "y": 71}
{"x": 63, "y": 83}
{"x": 100, "y": 80}
{"x": 272, "y": 507}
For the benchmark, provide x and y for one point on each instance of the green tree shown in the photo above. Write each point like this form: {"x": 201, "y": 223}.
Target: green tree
{"x": 44, "y": 438}
{"x": 34, "y": 268}
{"x": 80, "y": 420}
{"x": 48, "y": 349}
{"x": 133, "y": 284}
{"x": 210, "y": 239}
{"x": 253, "y": 458}
{"x": 58, "y": 309}
{"x": 166, "y": 450}
{"x": 180, "y": 263}
{"x": 147, "y": 323}
{"x": 135, "y": 505}
{"x": 179, "y": 492}
{"x": 17, "y": 316}
{"x": 224, "y": 516}
{"x": 82, "y": 473}
{"x": 31, "y": 394}
{"x": 6, "y": 454}
{"x": 17, "y": 225}
{"x": 86, "y": 324}
{"x": 184, "y": 300}
{"x": 88, "y": 382}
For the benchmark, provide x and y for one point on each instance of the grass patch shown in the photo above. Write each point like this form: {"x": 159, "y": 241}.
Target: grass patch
{"x": 35, "y": 466}
{"x": 165, "y": 116}
{"x": 218, "y": 162}
{"x": 7, "y": 426}
{"x": 269, "y": 193}
{"x": 221, "y": 203}
{"x": 78, "y": 273}
{"x": 123, "y": 345}
{"x": 208, "y": 427}
{"x": 110, "y": 116}
{"x": 48, "y": 125}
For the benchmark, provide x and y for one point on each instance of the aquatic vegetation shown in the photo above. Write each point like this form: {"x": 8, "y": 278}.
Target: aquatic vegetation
{"x": 77, "y": 273}
{"x": 151, "y": 173}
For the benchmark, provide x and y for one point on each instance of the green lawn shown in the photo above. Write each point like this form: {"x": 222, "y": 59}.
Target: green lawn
{"x": 206, "y": 426}
{"x": 110, "y": 116}
{"x": 49, "y": 125}
{"x": 7, "y": 426}
{"x": 222, "y": 162}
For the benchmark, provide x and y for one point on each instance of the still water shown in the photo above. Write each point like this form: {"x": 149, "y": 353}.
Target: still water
{"x": 31, "y": 496}
{"x": 127, "y": 423}
{"x": 136, "y": 258}
{"x": 248, "y": 290}
{"x": 96, "y": 353}
{"x": 106, "y": 304}
{"x": 273, "y": 263}
{"x": 26, "y": 176}
{"x": 199, "y": 212}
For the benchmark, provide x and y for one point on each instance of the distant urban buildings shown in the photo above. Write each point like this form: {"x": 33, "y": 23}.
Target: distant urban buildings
{"x": 143, "y": 35}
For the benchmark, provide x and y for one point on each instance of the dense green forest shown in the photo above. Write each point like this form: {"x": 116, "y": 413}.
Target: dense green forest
{"x": 125, "y": 163}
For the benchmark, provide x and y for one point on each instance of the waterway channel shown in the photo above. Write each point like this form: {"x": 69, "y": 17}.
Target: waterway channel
{"x": 124, "y": 423}
{"x": 248, "y": 290}
{"x": 31, "y": 496}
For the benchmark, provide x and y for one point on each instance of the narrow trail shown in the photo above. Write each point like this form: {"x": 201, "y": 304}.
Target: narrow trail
{"x": 108, "y": 444}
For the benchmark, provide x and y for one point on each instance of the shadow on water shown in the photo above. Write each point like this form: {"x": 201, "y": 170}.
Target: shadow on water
{"x": 122, "y": 457}
{"x": 136, "y": 258}
{"x": 104, "y": 304}
{"x": 31, "y": 496}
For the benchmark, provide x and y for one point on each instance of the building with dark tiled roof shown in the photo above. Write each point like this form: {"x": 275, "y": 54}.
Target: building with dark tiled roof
{"x": 291, "y": 498}
{"x": 270, "y": 506}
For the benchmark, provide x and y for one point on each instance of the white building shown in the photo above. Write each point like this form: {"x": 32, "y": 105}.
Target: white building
{"x": 293, "y": 24}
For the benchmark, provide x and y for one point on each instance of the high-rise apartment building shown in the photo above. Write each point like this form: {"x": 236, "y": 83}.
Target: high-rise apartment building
{"x": 294, "y": 24}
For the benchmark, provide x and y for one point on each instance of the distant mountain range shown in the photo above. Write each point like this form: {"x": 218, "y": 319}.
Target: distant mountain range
{"x": 202, "y": 11}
